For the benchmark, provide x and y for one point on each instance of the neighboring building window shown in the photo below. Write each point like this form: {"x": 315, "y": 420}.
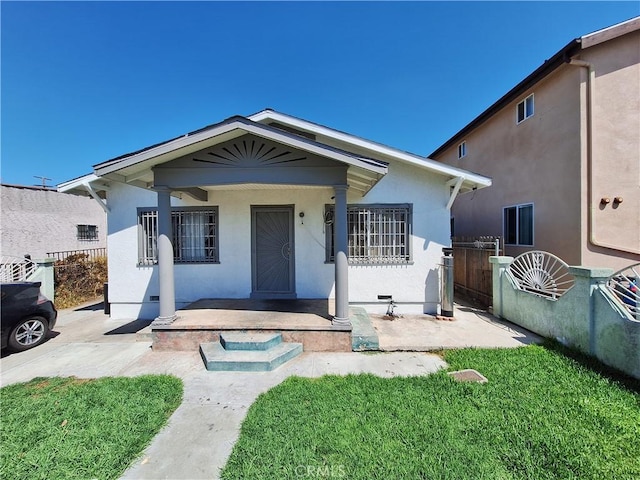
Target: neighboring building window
{"x": 518, "y": 225}
{"x": 377, "y": 234}
{"x": 525, "y": 108}
{"x": 194, "y": 235}
{"x": 87, "y": 232}
{"x": 462, "y": 150}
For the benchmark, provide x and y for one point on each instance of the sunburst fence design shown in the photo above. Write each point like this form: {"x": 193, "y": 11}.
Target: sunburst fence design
{"x": 625, "y": 285}
{"x": 541, "y": 273}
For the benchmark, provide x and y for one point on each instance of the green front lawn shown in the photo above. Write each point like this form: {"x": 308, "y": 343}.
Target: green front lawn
{"x": 543, "y": 415}
{"x": 74, "y": 428}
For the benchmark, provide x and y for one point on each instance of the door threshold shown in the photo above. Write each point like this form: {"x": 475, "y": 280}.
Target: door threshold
{"x": 273, "y": 296}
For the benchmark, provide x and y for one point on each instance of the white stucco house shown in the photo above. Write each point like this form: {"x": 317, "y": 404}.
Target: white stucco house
{"x": 273, "y": 206}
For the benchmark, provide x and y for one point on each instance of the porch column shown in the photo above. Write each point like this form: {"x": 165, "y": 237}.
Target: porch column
{"x": 340, "y": 254}
{"x": 165, "y": 259}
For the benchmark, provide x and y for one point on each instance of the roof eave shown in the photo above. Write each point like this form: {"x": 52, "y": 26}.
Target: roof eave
{"x": 85, "y": 186}
{"x": 233, "y": 126}
{"x": 541, "y": 72}
{"x": 609, "y": 33}
{"x": 406, "y": 157}
{"x": 76, "y": 182}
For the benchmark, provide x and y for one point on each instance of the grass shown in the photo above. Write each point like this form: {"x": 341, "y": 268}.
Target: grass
{"x": 73, "y": 428}
{"x": 543, "y": 415}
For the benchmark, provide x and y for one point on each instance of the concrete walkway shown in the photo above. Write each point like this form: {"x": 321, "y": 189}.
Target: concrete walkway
{"x": 200, "y": 434}
{"x": 470, "y": 327}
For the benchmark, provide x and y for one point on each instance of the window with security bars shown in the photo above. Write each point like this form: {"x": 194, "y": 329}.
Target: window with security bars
{"x": 194, "y": 235}
{"x": 87, "y": 232}
{"x": 377, "y": 234}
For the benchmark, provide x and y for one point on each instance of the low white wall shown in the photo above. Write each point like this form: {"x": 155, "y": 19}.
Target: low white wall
{"x": 414, "y": 287}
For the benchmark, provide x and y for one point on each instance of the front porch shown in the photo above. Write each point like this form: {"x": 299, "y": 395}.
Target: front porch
{"x": 305, "y": 321}
{"x": 308, "y": 321}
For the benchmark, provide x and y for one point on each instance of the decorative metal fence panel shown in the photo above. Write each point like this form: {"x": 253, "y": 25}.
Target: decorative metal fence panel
{"x": 92, "y": 253}
{"x": 16, "y": 269}
{"x": 625, "y": 285}
{"x": 541, "y": 273}
{"x": 472, "y": 272}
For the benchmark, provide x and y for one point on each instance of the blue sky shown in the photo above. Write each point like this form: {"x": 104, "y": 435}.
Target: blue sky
{"x": 83, "y": 82}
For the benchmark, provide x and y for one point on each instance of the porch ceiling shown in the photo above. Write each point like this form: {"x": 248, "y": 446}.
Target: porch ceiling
{"x": 242, "y": 187}
{"x": 259, "y": 186}
{"x": 357, "y": 180}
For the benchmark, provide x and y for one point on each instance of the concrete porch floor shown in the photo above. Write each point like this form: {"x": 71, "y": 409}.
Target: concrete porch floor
{"x": 251, "y": 313}
{"x": 309, "y": 321}
{"x": 306, "y": 321}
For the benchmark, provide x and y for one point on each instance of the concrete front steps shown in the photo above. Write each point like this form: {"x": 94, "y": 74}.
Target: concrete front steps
{"x": 248, "y": 352}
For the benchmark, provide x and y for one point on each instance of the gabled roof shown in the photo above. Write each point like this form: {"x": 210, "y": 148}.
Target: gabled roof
{"x": 136, "y": 167}
{"x": 471, "y": 181}
{"x": 230, "y": 128}
{"x": 367, "y": 161}
{"x": 550, "y": 65}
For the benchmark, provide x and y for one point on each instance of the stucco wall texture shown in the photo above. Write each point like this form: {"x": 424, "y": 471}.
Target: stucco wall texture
{"x": 413, "y": 286}
{"x": 543, "y": 160}
{"x": 37, "y": 221}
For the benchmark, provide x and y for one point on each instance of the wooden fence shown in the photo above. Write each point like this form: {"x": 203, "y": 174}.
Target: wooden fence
{"x": 472, "y": 273}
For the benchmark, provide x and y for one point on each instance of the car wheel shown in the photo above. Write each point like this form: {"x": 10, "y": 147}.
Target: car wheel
{"x": 32, "y": 331}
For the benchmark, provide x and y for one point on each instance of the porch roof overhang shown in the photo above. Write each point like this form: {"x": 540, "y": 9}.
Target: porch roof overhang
{"x": 364, "y": 168}
{"x": 89, "y": 186}
{"x": 137, "y": 168}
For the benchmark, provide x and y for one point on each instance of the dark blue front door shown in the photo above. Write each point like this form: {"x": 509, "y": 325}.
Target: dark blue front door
{"x": 272, "y": 252}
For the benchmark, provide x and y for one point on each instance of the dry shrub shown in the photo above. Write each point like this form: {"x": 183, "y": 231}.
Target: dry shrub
{"x": 79, "y": 279}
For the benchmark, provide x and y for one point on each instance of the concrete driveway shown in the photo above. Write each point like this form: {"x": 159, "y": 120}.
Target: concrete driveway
{"x": 84, "y": 343}
{"x": 199, "y": 436}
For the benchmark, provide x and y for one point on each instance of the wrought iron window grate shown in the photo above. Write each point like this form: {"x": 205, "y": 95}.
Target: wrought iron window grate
{"x": 87, "y": 232}
{"x": 377, "y": 234}
{"x": 625, "y": 285}
{"x": 194, "y": 235}
{"x": 148, "y": 237}
{"x": 541, "y": 273}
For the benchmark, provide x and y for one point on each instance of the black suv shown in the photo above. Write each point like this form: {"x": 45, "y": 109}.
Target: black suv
{"x": 27, "y": 315}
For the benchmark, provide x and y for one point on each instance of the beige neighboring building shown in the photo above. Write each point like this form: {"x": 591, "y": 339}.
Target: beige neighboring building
{"x": 563, "y": 150}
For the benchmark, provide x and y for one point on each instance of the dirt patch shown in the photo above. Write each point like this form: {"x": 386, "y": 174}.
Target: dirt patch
{"x": 46, "y": 384}
{"x": 468, "y": 375}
